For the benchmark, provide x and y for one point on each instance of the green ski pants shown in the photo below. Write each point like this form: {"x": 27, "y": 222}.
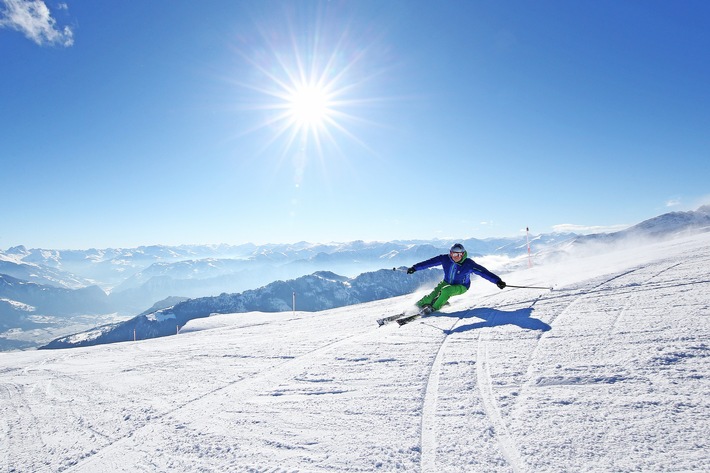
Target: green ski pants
{"x": 441, "y": 293}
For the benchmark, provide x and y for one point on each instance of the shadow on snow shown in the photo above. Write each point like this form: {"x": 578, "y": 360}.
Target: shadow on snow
{"x": 495, "y": 318}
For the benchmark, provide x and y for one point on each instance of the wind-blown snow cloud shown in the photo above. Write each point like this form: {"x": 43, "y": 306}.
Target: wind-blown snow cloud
{"x": 702, "y": 201}
{"x": 585, "y": 229}
{"x": 34, "y": 20}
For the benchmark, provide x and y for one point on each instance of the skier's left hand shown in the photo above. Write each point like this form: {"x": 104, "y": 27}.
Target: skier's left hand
{"x": 501, "y": 284}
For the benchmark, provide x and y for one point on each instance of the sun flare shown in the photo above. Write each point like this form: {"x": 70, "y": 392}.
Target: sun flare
{"x": 313, "y": 91}
{"x": 309, "y": 106}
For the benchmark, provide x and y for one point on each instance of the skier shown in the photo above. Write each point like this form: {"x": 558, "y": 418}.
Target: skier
{"x": 457, "y": 277}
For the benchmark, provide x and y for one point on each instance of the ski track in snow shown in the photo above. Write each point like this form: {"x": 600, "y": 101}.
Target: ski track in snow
{"x": 634, "y": 285}
{"x": 431, "y": 460}
{"x": 631, "y": 298}
{"x": 506, "y": 442}
{"x": 578, "y": 298}
{"x": 428, "y": 423}
{"x": 268, "y": 376}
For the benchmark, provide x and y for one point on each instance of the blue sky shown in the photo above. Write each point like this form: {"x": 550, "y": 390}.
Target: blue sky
{"x": 181, "y": 122}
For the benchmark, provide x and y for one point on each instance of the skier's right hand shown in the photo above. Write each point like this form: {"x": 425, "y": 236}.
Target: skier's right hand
{"x": 411, "y": 270}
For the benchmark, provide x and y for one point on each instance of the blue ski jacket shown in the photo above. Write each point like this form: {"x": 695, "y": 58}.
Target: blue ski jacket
{"x": 458, "y": 273}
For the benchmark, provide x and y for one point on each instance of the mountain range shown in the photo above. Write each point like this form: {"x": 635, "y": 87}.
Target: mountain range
{"x": 40, "y": 288}
{"x": 147, "y": 274}
{"x": 111, "y": 285}
{"x": 319, "y": 291}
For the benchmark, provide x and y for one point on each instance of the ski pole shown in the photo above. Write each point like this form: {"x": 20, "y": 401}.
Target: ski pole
{"x": 528, "y": 287}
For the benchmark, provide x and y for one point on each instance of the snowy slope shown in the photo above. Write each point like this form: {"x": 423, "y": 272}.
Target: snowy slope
{"x": 608, "y": 372}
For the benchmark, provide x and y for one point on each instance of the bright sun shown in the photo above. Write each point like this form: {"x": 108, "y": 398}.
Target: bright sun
{"x": 309, "y": 90}
{"x": 309, "y": 106}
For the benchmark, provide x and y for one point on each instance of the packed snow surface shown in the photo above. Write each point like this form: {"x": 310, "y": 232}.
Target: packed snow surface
{"x": 607, "y": 372}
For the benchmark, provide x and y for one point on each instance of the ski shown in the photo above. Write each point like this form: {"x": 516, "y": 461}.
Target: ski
{"x": 389, "y": 319}
{"x": 426, "y": 310}
{"x": 403, "y": 318}
{"x": 406, "y": 320}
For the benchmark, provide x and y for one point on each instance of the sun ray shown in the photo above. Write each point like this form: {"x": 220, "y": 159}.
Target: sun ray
{"x": 310, "y": 86}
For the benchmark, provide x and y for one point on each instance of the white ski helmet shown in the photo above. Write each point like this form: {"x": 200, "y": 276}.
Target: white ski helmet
{"x": 457, "y": 248}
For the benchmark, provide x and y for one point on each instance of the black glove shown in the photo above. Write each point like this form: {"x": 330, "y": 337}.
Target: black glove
{"x": 411, "y": 270}
{"x": 501, "y": 284}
